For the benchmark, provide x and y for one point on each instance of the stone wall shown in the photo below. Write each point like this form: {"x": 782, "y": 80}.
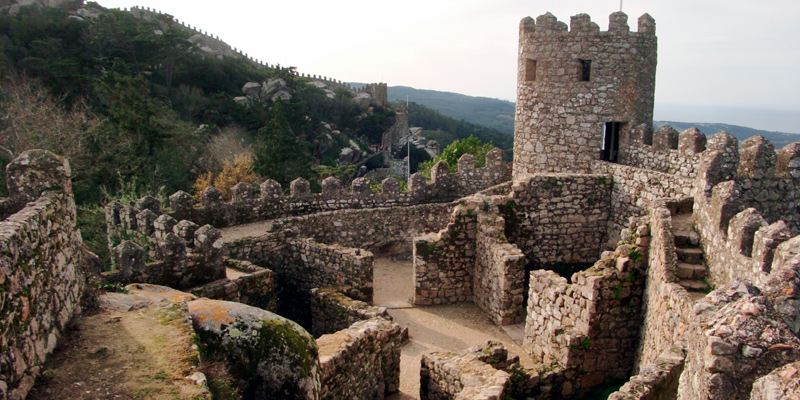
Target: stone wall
{"x": 636, "y": 189}
{"x": 658, "y": 381}
{"x": 735, "y": 337}
{"x": 370, "y": 229}
{"x": 665, "y": 150}
{"x": 476, "y": 374}
{"x": 590, "y": 324}
{"x": 559, "y": 218}
{"x": 746, "y": 208}
{"x": 782, "y": 383}
{"x": 361, "y": 361}
{"x": 151, "y": 247}
{"x": 43, "y": 268}
{"x": 560, "y": 116}
{"x": 251, "y": 202}
{"x": 332, "y": 311}
{"x": 667, "y": 305}
{"x": 246, "y": 283}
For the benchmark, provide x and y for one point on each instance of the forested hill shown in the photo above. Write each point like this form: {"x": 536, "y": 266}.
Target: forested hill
{"x": 445, "y": 129}
{"x": 493, "y": 113}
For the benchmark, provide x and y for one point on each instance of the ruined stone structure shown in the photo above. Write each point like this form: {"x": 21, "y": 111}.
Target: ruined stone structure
{"x": 665, "y": 262}
{"x": 43, "y": 267}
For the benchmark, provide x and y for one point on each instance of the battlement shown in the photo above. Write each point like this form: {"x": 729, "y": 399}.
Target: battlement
{"x": 581, "y": 24}
{"x": 251, "y": 202}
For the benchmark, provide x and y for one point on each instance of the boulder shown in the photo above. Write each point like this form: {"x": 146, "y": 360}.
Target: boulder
{"x": 272, "y": 356}
{"x": 252, "y": 90}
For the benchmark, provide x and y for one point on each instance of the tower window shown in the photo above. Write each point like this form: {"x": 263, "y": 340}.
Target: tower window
{"x": 585, "y": 72}
{"x": 530, "y": 70}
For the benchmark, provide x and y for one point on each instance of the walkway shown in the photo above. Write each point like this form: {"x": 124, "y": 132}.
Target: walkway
{"x": 438, "y": 328}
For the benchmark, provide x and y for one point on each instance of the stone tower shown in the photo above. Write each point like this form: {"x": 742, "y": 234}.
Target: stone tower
{"x": 579, "y": 90}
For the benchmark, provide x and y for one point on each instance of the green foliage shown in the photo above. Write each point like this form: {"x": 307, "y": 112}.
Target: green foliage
{"x": 280, "y": 155}
{"x": 429, "y": 119}
{"x": 92, "y": 224}
{"x": 634, "y": 254}
{"x": 342, "y": 172}
{"x": 450, "y": 155}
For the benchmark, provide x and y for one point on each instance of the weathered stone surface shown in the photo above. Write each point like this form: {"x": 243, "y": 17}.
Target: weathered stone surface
{"x": 275, "y": 357}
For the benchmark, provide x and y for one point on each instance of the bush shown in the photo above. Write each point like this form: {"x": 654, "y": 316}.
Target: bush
{"x": 240, "y": 169}
{"x": 454, "y": 151}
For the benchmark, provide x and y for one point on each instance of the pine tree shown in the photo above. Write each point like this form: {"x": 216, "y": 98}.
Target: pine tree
{"x": 281, "y": 155}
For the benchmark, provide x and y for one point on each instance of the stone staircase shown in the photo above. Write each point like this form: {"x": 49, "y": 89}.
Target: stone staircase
{"x": 692, "y": 269}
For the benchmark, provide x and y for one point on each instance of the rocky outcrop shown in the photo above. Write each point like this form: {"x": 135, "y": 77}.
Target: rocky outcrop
{"x": 273, "y": 89}
{"x": 272, "y": 357}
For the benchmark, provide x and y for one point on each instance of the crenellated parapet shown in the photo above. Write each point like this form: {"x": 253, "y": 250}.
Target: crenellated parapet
{"x": 149, "y": 246}
{"x": 665, "y": 150}
{"x": 746, "y": 208}
{"x": 252, "y": 202}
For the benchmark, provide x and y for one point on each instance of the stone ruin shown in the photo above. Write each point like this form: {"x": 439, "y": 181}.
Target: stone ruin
{"x": 665, "y": 261}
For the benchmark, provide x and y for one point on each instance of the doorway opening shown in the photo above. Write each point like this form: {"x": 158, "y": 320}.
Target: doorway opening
{"x": 610, "y": 142}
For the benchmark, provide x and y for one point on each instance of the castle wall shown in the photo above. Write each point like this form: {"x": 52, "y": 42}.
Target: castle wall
{"x": 560, "y": 117}
{"x": 667, "y": 306}
{"x": 734, "y": 338}
{"x": 590, "y": 324}
{"x": 559, "y": 218}
{"x": 43, "y": 268}
{"x": 251, "y": 202}
{"x": 255, "y": 287}
{"x": 332, "y": 311}
{"x": 665, "y": 150}
{"x": 746, "y": 209}
{"x": 658, "y": 382}
{"x": 475, "y": 374}
{"x": 361, "y": 361}
{"x": 636, "y": 189}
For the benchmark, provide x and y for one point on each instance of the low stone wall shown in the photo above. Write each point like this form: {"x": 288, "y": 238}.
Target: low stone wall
{"x": 658, "y": 381}
{"x": 554, "y": 218}
{"x": 307, "y": 263}
{"x": 361, "y": 361}
{"x": 253, "y": 285}
{"x": 665, "y": 150}
{"x": 591, "y": 324}
{"x": 371, "y": 229}
{"x": 251, "y": 202}
{"x": 667, "y": 305}
{"x": 477, "y": 374}
{"x": 636, "y": 189}
{"x": 332, "y": 311}
{"x": 734, "y": 338}
{"x": 499, "y": 272}
{"x": 43, "y": 268}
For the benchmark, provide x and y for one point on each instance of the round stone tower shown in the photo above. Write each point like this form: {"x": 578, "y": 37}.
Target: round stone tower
{"x": 579, "y": 90}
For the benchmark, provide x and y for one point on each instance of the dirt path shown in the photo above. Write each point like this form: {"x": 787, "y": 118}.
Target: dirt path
{"x": 438, "y": 328}
{"x": 140, "y": 354}
{"x": 237, "y": 232}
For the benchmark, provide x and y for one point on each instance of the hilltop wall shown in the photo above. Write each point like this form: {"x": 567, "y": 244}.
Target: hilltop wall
{"x": 43, "y": 267}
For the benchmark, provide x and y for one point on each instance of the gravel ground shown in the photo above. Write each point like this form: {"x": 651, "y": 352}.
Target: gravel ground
{"x": 439, "y": 328}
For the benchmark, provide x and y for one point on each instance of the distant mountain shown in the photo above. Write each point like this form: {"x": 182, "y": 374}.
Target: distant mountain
{"x": 778, "y": 139}
{"x": 493, "y": 113}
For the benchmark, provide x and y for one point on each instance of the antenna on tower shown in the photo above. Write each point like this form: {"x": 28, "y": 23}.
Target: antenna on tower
{"x": 620, "y": 5}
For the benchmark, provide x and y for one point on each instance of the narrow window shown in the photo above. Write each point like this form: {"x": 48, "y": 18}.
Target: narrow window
{"x": 530, "y": 70}
{"x": 585, "y": 72}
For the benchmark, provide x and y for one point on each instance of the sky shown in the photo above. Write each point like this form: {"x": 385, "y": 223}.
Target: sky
{"x": 738, "y": 58}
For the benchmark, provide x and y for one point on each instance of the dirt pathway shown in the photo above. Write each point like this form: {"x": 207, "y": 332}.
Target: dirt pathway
{"x": 439, "y": 328}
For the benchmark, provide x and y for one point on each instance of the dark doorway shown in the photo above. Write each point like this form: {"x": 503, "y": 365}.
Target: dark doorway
{"x": 610, "y": 148}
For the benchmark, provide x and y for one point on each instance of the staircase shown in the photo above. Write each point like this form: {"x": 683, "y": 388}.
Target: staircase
{"x": 691, "y": 269}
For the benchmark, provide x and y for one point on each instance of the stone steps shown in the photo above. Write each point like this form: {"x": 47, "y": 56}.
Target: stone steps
{"x": 691, "y": 269}
{"x": 690, "y": 255}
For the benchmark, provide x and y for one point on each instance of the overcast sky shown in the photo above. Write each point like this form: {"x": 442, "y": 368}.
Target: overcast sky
{"x": 720, "y": 53}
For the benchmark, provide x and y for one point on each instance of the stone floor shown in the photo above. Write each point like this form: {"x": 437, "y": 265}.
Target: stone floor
{"x": 437, "y": 328}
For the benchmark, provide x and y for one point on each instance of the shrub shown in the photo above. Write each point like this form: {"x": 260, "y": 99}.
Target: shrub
{"x": 454, "y": 151}
{"x": 239, "y": 169}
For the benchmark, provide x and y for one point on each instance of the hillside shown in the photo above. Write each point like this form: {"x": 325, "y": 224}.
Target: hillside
{"x": 493, "y": 113}
{"x": 499, "y": 114}
{"x": 779, "y": 139}
{"x": 445, "y": 129}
